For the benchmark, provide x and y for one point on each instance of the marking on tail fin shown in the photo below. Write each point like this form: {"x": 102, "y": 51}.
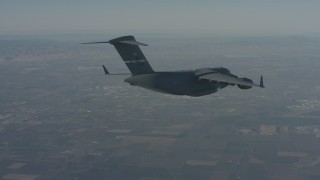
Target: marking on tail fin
{"x": 133, "y": 43}
{"x": 135, "y": 61}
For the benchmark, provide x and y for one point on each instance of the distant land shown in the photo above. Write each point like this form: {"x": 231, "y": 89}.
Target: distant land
{"x": 62, "y": 118}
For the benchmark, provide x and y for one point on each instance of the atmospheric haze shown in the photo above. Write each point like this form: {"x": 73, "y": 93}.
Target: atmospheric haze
{"x": 61, "y": 117}
{"x": 246, "y": 17}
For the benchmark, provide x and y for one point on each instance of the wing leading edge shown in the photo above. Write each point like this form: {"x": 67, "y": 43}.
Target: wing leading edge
{"x": 215, "y": 76}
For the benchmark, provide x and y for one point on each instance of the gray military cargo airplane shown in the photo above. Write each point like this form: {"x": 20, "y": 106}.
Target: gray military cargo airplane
{"x": 198, "y": 82}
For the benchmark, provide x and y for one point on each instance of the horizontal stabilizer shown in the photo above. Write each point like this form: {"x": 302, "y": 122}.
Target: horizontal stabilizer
{"x": 101, "y": 42}
{"x": 105, "y": 70}
{"x": 130, "y": 42}
{"x": 261, "y": 82}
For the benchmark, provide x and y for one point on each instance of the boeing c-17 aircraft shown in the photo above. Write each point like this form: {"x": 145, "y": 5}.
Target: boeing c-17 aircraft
{"x": 195, "y": 83}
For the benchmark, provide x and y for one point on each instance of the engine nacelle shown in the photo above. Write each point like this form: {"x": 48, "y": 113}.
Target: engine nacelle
{"x": 243, "y": 86}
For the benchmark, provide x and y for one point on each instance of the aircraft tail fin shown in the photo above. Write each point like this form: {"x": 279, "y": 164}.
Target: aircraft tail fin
{"x": 129, "y": 50}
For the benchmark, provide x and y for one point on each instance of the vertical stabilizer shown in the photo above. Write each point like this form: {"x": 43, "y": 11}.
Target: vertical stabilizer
{"x": 130, "y": 52}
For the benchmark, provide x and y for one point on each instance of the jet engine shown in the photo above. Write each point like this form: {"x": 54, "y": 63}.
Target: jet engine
{"x": 243, "y": 86}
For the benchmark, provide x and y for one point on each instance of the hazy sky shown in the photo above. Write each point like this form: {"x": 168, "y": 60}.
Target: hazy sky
{"x": 166, "y": 16}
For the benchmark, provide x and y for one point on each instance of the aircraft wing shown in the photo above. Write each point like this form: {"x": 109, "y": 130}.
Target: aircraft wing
{"x": 229, "y": 79}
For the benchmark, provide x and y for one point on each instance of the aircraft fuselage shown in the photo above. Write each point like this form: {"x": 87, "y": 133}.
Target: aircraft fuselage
{"x": 176, "y": 83}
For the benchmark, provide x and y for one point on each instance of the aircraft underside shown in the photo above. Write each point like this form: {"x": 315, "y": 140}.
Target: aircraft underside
{"x": 177, "y": 83}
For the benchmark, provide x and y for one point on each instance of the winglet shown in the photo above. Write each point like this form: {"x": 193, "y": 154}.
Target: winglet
{"x": 105, "y": 70}
{"x": 261, "y": 82}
